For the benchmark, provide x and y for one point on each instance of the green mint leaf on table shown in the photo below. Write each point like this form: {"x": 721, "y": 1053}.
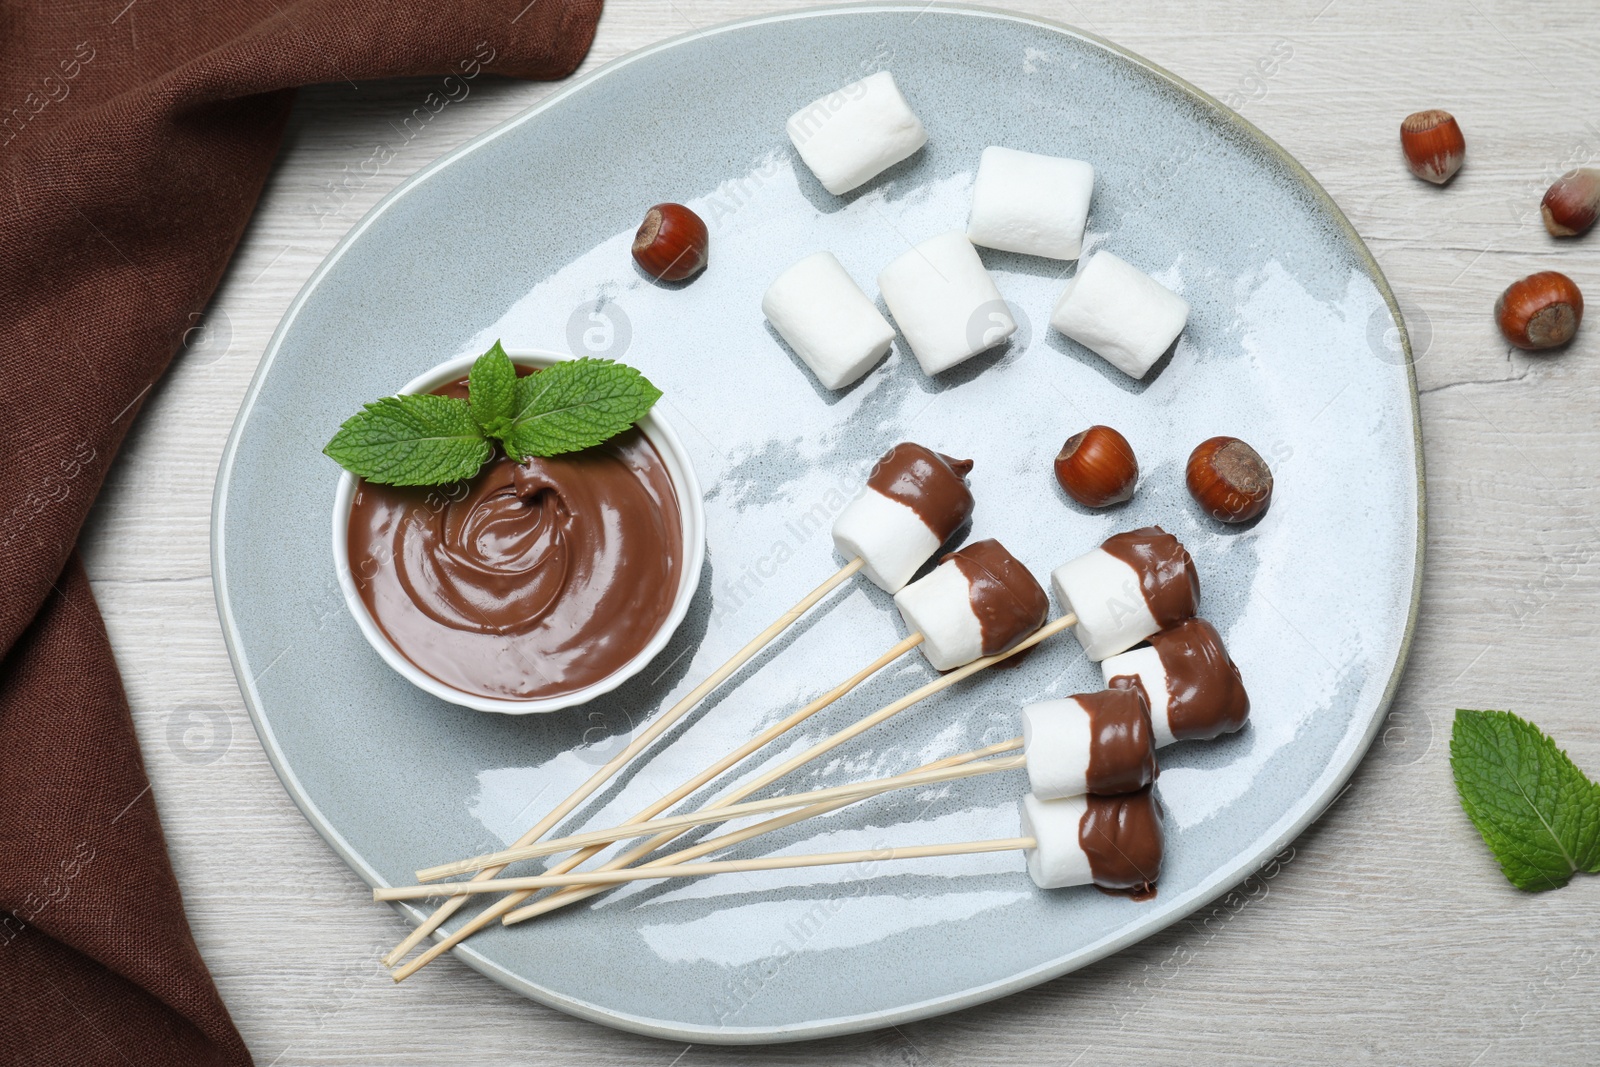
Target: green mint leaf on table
{"x": 492, "y": 391}
{"x": 1538, "y": 813}
{"x": 574, "y": 405}
{"x": 411, "y": 440}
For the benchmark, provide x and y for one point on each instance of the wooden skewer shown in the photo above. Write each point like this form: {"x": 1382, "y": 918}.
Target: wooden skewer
{"x": 559, "y": 900}
{"x": 721, "y": 813}
{"x": 944, "y": 681}
{"x": 564, "y": 897}
{"x": 838, "y": 692}
{"x": 696, "y": 870}
{"x": 662, "y": 723}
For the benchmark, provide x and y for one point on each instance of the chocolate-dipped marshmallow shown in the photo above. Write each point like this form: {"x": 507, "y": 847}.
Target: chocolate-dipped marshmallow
{"x": 1112, "y": 842}
{"x": 1131, "y": 586}
{"x": 977, "y": 602}
{"x": 1193, "y": 689}
{"x": 914, "y": 500}
{"x": 1089, "y": 743}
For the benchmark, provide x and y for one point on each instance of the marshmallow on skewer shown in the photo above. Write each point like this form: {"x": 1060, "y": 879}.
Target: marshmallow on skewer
{"x": 856, "y": 133}
{"x": 1112, "y": 842}
{"x": 1090, "y": 743}
{"x": 1131, "y": 586}
{"x": 829, "y": 322}
{"x": 913, "y": 501}
{"x": 977, "y": 602}
{"x": 1028, "y": 203}
{"x": 945, "y": 302}
{"x": 1120, "y": 313}
{"x": 1193, "y": 689}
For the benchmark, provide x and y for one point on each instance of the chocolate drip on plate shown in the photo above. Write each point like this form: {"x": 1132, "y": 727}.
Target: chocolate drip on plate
{"x": 1122, "y": 747}
{"x": 1007, "y": 599}
{"x": 930, "y": 484}
{"x": 1167, "y": 577}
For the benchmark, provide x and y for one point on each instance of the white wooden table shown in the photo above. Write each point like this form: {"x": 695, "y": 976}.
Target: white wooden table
{"x": 1389, "y": 936}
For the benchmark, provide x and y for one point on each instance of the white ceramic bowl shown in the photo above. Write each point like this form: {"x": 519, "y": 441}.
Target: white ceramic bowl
{"x": 659, "y": 432}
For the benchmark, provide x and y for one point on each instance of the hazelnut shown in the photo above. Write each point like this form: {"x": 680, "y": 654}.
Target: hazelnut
{"x": 1433, "y": 145}
{"x": 1097, "y": 467}
{"x": 671, "y": 243}
{"x": 1570, "y": 205}
{"x": 1229, "y": 479}
{"x": 1540, "y": 311}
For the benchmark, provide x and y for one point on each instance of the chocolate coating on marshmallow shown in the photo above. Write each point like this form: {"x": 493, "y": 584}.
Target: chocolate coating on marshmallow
{"x": 1167, "y": 578}
{"x": 1122, "y": 747}
{"x": 1007, "y": 599}
{"x": 1123, "y": 838}
{"x": 1206, "y": 697}
{"x": 930, "y": 484}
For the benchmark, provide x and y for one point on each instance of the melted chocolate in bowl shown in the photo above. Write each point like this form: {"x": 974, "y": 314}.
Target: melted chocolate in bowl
{"x": 532, "y": 580}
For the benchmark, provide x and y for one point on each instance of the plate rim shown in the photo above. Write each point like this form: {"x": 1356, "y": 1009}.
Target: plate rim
{"x": 1328, "y": 787}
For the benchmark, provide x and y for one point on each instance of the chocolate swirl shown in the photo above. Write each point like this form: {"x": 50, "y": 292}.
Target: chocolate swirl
{"x": 1123, "y": 839}
{"x": 531, "y": 580}
{"x": 1205, "y": 694}
{"x": 1007, "y": 599}
{"x": 1167, "y": 577}
{"x": 1122, "y": 746}
{"x": 930, "y": 484}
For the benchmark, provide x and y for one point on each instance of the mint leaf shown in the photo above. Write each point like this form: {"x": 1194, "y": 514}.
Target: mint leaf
{"x": 574, "y": 405}
{"x": 492, "y": 391}
{"x": 411, "y": 440}
{"x": 1538, "y": 813}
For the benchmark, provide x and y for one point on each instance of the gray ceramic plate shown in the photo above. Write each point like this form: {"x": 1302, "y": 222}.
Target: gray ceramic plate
{"x": 523, "y": 235}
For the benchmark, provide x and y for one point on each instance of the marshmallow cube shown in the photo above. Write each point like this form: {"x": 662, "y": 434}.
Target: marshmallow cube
{"x": 829, "y": 322}
{"x": 1033, "y": 204}
{"x": 1106, "y": 595}
{"x": 1057, "y": 859}
{"x": 891, "y": 539}
{"x": 939, "y": 606}
{"x": 1145, "y": 665}
{"x": 856, "y": 133}
{"x": 1057, "y": 736}
{"x": 1120, "y": 313}
{"x": 945, "y": 302}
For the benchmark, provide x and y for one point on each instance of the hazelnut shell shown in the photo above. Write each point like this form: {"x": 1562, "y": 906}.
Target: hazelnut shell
{"x": 671, "y": 243}
{"x": 1097, "y": 467}
{"x": 1433, "y": 145}
{"x": 1229, "y": 479}
{"x": 1540, "y": 311}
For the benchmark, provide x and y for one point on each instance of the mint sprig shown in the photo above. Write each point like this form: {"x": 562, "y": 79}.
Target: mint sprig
{"x": 492, "y": 387}
{"x": 1538, "y": 813}
{"x": 575, "y": 405}
{"x": 423, "y": 439}
{"x": 411, "y": 440}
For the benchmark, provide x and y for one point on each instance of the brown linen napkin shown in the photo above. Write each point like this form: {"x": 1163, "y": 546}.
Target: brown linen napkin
{"x": 134, "y": 141}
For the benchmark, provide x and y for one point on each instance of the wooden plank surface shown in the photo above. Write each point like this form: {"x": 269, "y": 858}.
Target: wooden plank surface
{"x": 1386, "y": 936}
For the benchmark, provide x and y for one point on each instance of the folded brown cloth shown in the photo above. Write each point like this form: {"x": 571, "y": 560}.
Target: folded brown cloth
{"x": 134, "y": 141}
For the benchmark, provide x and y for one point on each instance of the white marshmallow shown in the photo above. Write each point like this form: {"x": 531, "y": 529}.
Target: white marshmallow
{"x": 891, "y": 539}
{"x": 1057, "y": 859}
{"x": 1037, "y": 205}
{"x": 1105, "y": 594}
{"x": 1145, "y": 664}
{"x": 1120, "y": 313}
{"x": 856, "y": 133}
{"x": 939, "y": 606}
{"x": 1057, "y": 736}
{"x": 829, "y": 322}
{"x": 945, "y": 302}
